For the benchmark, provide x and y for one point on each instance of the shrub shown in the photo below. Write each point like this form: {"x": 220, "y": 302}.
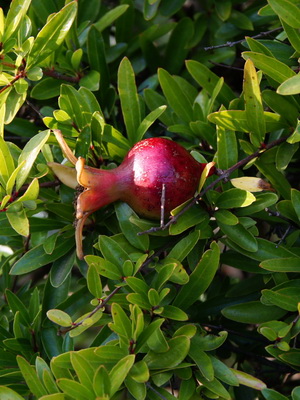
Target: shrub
{"x": 205, "y": 305}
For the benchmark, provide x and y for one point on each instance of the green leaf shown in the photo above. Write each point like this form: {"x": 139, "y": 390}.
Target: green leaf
{"x": 253, "y": 104}
{"x": 295, "y": 197}
{"x": 214, "y": 386}
{"x": 285, "y": 298}
{"x": 51, "y": 36}
{"x": 202, "y": 360}
{"x": 223, "y": 372}
{"x": 129, "y": 99}
{"x": 175, "y": 313}
{"x": 16, "y": 305}
{"x": 36, "y": 257}
{"x": 94, "y": 282}
{"x": 101, "y": 382}
{"x": 157, "y": 343}
{"x": 19, "y": 221}
{"x": 119, "y": 372}
{"x": 148, "y": 121}
{"x": 293, "y": 35}
{"x": 193, "y": 216}
{"x": 177, "y": 47}
{"x": 130, "y": 230}
{"x": 292, "y": 357}
{"x": 208, "y": 80}
{"x": 235, "y": 198}
{"x": 236, "y": 120}
{"x": 83, "y": 369}
{"x": 184, "y": 246}
{"x": 209, "y": 342}
{"x": 226, "y": 217}
{"x": 175, "y": 96}
{"x": 248, "y": 380}
{"x": 121, "y": 324}
{"x": 112, "y": 251}
{"x": 75, "y": 389}
{"x": 31, "y": 378}
{"x": 110, "y": 17}
{"x": 281, "y": 105}
{"x": 290, "y": 86}
{"x": 104, "y": 267}
{"x": 15, "y": 15}
{"x": 240, "y": 235}
{"x": 253, "y": 312}
{"x": 286, "y": 10}
{"x": 59, "y": 317}
{"x": 227, "y": 151}
{"x": 270, "y": 66}
{"x": 62, "y": 267}
{"x": 8, "y": 394}
{"x": 7, "y": 163}
{"x": 91, "y": 81}
{"x": 291, "y": 264}
{"x": 200, "y": 278}
{"x": 271, "y": 394}
{"x": 178, "y": 350}
{"x": 29, "y": 155}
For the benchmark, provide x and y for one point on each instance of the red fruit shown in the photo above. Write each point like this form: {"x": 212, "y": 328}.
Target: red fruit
{"x": 139, "y": 180}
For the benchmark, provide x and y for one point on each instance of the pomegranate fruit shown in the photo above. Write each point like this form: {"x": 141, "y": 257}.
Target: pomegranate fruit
{"x": 139, "y": 180}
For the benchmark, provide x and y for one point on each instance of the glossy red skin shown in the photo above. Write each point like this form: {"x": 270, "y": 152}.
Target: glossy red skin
{"x": 150, "y": 164}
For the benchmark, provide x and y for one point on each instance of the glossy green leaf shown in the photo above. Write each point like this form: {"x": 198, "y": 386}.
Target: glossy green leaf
{"x": 193, "y": 216}
{"x": 101, "y": 382}
{"x": 155, "y": 100}
{"x": 184, "y": 246}
{"x": 29, "y": 154}
{"x": 292, "y": 357}
{"x": 157, "y": 342}
{"x": 235, "y": 198}
{"x": 7, "y": 164}
{"x": 208, "y": 80}
{"x": 62, "y": 267}
{"x": 291, "y": 264}
{"x": 292, "y": 34}
{"x": 129, "y": 99}
{"x": 178, "y": 350}
{"x": 226, "y": 217}
{"x": 202, "y": 360}
{"x": 36, "y": 257}
{"x": 177, "y": 48}
{"x": 223, "y": 372}
{"x": 209, "y": 342}
{"x": 175, "y": 96}
{"x": 240, "y": 235}
{"x": 119, "y": 372}
{"x": 290, "y": 86}
{"x": 281, "y": 105}
{"x": 253, "y": 312}
{"x": 175, "y": 313}
{"x": 59, "y": 317}
{"x": 130, "y": 230}
{"x": 270, "y": 66}
{"x": 110, "y": 17}
{"x": 253, "y": 104}
{"x": 94, "y": 282}
{"x": 286, "y": 298}
{"x": 286, "y": 10}
{"x": 7, "y": 393}
{"x": 295, "y": 197}
{"x": 236, "y": 120}
{"x": 214, "y": 386}
{"x": 83, "y": 369}
{"x": 74, "y": 389}
{"x": 248, "y": 380}
{"x": 200, "y": 278}
{"x": 52, "y": 34}
{"x": 16, "y": 13}
{"x": 227, "y": 151}
{"x": 121, "y": 324}
{"x": 31, "y": 378}
{"x": 148, "y": 121}
{"x": 112, "y": 251}
{"x": 13, "y": 104}
{"x": 271, "y": 394}
{"x": 19, "y": 221}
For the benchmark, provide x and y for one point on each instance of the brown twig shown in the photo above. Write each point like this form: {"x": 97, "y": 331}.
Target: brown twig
{"x": 57, "y": 75}
{"x": 222, "y": 176}
{"x": 231, "y": 44}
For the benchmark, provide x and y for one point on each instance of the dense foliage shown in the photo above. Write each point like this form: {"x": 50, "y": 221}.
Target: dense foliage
{"x": 203, "y": 306}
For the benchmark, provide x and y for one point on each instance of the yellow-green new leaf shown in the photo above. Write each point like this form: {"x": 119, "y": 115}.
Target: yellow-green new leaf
{"x": 59, "y": 317}
{"x": 253, "y": 104}
{"x": 18, "y": 221}
{"x": 290, "y": 86}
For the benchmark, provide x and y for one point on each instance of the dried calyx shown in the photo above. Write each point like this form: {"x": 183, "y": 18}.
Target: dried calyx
{"x": 148, "y": 167}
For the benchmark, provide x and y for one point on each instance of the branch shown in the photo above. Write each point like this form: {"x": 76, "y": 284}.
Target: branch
{"x": 231, "y": 44}
{"x": 224, "y": 175}
{"x": 57, "y": 75}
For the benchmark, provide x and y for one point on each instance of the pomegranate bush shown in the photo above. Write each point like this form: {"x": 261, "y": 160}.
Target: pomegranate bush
{"x": 150, "y": 200}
